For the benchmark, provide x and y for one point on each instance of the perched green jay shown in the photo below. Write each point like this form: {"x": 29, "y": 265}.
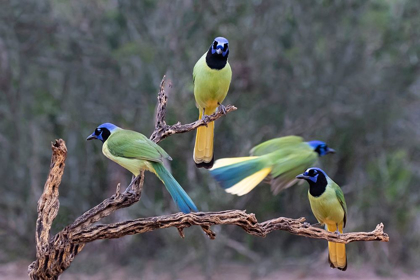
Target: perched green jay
{"x": 211, "y": 76}
{"x": 330, "y": 209}
{"x": 135, "y": 152}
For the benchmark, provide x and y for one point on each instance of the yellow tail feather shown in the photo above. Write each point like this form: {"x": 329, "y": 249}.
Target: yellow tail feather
{"x": 249, "y": 183}
{"x": 337, "y": 251}
{"x": 203, "y": 149}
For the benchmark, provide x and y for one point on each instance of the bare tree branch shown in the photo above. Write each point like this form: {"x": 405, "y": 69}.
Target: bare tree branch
{"x": 54, "y": 255}
{"x": 48, "y": 204}
{"x": 240, "y": 218}
{"x": 162, "y": 130}
{"x": 110, "y": 205}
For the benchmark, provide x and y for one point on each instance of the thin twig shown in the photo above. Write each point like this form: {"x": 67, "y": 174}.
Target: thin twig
{"x": 162, "y": 130}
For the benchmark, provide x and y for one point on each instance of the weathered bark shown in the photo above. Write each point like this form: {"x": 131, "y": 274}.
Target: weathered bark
{"x": 240, "y": 218}
{"x": 54, "y": 255}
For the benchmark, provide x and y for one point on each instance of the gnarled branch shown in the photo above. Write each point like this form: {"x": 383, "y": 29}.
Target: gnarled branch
{"x": 240, "y": 218}
{"x": 54, "y": 255}
{"x": 48, "y": 203}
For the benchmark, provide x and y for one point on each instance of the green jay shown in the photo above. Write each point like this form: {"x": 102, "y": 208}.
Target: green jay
{"x": 211, "y": 76}
{"x": 281, "y": 159}
{"x": 135, "y": 152}
{"x": 330, "y": 209}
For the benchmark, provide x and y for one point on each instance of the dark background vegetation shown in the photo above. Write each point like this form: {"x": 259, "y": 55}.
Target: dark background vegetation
{"x": 346, "y": 72}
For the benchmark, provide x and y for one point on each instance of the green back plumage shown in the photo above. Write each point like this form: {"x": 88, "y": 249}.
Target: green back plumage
{"x": 135, "y": 152}
{"x": 134, "y": 145}
{"x": 293, "y": 156}
{"x": 276, "y": 144}
{"x": 340, "y": 196}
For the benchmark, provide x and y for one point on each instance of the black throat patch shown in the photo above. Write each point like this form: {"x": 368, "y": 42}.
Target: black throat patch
{"x": 105, "y": 134}
{"x": 318, "y": 188}
{"x": 216, "y": 61}
{"x": 318, "y": 150}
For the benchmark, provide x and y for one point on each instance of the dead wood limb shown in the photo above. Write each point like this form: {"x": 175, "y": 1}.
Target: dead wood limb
{"x": 54, "y": 255}
{"x": 48, "y": 204}
{"x": 110, "y": 205}
{"x": 247, "y": 222}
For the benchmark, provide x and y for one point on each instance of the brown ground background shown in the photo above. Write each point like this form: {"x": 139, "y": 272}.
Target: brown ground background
{"x": 17, "y": 271}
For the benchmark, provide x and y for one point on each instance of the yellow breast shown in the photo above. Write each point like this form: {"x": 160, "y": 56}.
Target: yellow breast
{"x": 326, "y": 208}
{"x": 210, "y": 85}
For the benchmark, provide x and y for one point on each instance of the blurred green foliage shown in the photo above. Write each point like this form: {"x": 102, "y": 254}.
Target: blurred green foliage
{"x": 346, "y": 72}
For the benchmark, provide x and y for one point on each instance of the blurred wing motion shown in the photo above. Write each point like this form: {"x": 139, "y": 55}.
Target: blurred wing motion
{"x": 287, "y": 167}
{"x": 135, "y": 152}
{"x": 240, "y": 175}
{"x": 281, "y": 158}
{"x": 276, "y": 144}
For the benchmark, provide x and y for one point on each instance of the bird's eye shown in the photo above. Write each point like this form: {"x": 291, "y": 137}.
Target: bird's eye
{"x": 97, "y": 131}
{"x": 214, "y": 44}
{"x": 312, "y": 172}
{"x": 225, "y": 46}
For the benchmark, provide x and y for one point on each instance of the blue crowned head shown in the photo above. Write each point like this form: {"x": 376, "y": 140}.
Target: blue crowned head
{"x": 103, "y": 131}
{"x": 320, "y": 147}
{"x": 220, "y": 46}
{"x": 313, "y": 175}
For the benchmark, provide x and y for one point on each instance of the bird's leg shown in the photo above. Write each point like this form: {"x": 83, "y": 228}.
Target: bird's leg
{"x": 204, "y": 114}
{"x": 221, "y": 108}
{"x": 133, "y": 180}
{"x": 337, "y": 231}
{"x": 317, "y": 225}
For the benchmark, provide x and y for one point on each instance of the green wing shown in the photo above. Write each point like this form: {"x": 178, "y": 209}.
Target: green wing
{"x": 290, "y": 163}
{"x": 276, "y": 144}
{"x": 131, "y": 144}
{"x": 340, "y": 197}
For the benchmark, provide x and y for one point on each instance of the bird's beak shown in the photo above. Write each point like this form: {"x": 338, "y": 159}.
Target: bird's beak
{"x": 92, "y": 136}
{"x": 219, "y": 51}
{"x": 330, "y": 151}
{"x": 301, "y": 176}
